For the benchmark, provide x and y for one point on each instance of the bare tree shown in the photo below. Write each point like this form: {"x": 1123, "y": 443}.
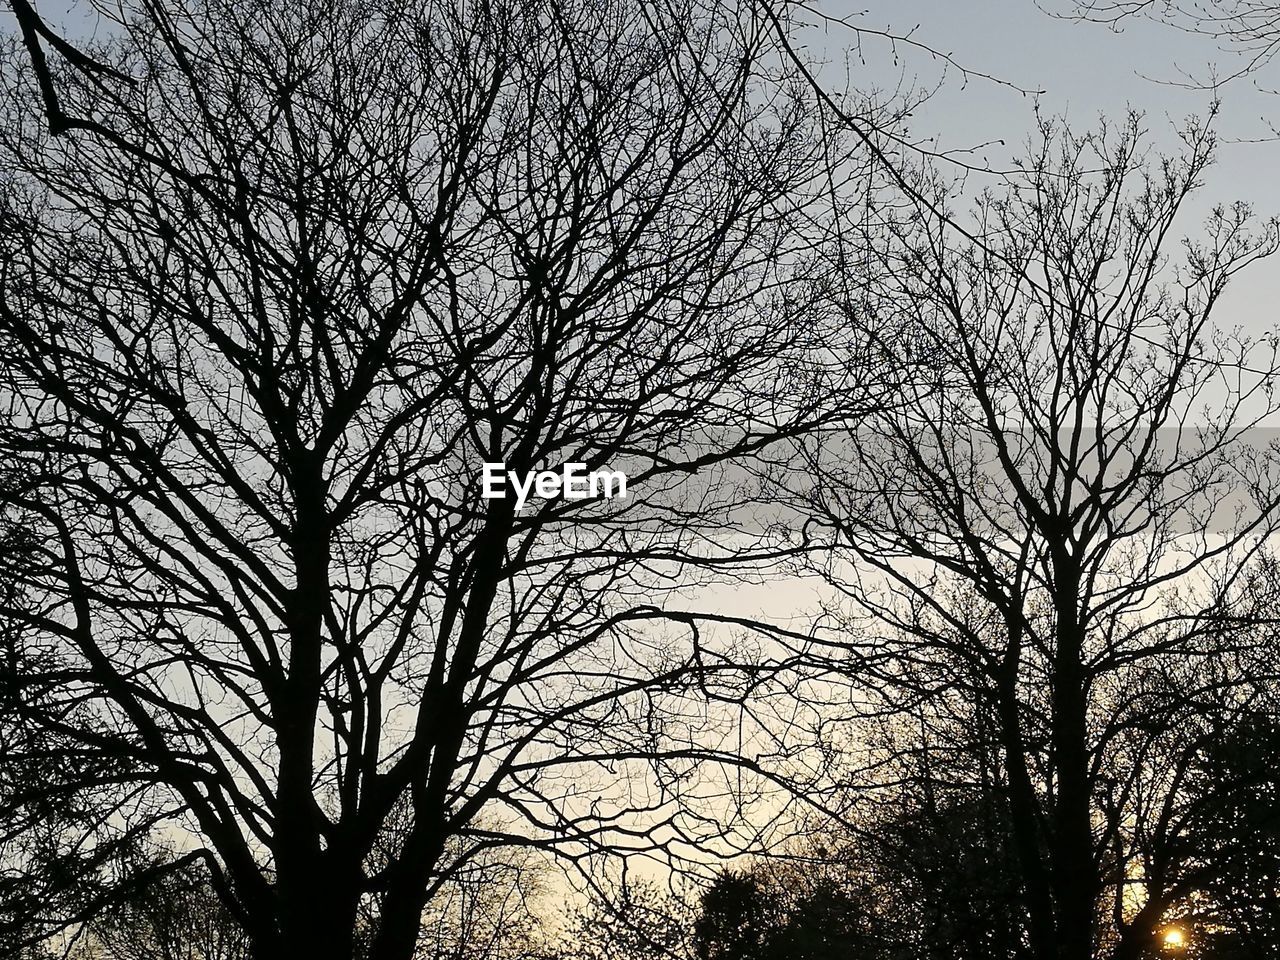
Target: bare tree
{"x": 1058, "y": 521}
{"x": 629, "y": 919}
{"x": 276, "y": 281}
{"x": 178, "y": 917}
{"x": 493, "y": 909}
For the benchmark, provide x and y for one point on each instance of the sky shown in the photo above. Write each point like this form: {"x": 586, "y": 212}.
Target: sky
{"x": 1020, "y": 55}
{"x": 1082, "y": 71}
{"x": 1078, "y": 70}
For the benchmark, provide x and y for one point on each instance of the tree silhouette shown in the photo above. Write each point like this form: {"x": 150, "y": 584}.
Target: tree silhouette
{"x": 275, "y": 282}
{"x": 1057, "y": 525}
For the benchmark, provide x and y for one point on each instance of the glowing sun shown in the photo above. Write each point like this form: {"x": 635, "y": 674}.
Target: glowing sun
{"x": 1174, "y": 939}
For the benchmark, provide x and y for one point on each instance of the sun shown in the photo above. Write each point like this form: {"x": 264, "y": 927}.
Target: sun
{"x": 1174, "y": 939}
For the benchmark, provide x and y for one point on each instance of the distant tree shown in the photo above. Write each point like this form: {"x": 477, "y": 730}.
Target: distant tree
{"x": 177, "y": 917}
{"x": 490, "y": 910}
{"x": 1234, "y": 832}
{"x": 633, "y": 920}
{"x": 740, "y": 918}
{"x": 805, "y": 910}
{"x": 924, "y": 875}
{"x": 39, "y": 809}
{"x": 939, "y": 853}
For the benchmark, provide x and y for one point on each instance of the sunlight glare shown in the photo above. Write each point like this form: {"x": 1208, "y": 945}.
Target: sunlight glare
{"x": 1174, "y": 939}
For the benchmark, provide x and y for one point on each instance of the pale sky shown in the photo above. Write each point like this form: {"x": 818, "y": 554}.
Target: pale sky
{"x": 1085, "y": 70}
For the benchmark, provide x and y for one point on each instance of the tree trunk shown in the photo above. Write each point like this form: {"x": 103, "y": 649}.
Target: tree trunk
{"x": 1075, "y": 879}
